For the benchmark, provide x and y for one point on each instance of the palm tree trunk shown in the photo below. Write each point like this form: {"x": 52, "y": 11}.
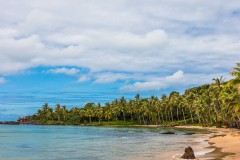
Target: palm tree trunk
{"x": 199, "y": 120}
{"x": 139, "y": 119}
{"x": 166, "y": 115}
{"x": 191, "y": 116}
{"x": 143, "y": 120}
{"x": 209, "y": 117}
{"x": 162, "y": 117}
{"x": 171, "y": 115}
{"x": 159, "y": 118}
{"x": 177, "y": 114}
{"x": 184, "y": 116}
{"x": 131, "y": 116}
{"x": 90, "y": 119}
{"x": 156, "y": 120}
{"x": 123, "y": 116}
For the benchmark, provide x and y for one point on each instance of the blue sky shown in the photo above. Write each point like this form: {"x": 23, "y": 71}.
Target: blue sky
{"x": 74, "y": 51}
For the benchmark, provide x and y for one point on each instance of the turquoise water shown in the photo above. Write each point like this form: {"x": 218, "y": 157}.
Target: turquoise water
{"x": 32, "y": 142}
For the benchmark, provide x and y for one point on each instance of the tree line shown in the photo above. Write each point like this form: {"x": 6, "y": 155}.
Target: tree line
{"x": 209, "y": 104}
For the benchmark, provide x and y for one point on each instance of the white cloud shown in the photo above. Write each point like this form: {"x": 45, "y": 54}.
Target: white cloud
{"x": 84, "y": 78}
{"x": 7, "y": 32}
{"x": 112, "y": 38}
{"x": 63, "y": 70}
{"x": 176, "y": 78}
{"x": 2, "y": 80}
{"x": 111, "y": 77}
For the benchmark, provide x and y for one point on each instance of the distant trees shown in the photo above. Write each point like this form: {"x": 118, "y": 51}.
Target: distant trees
{"x": 206, "y": 104}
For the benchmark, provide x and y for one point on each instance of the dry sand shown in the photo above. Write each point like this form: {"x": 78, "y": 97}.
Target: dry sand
{"x": 226, "y": 142}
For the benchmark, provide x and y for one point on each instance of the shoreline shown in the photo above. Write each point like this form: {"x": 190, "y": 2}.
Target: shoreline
{"x": 225, "y": 143}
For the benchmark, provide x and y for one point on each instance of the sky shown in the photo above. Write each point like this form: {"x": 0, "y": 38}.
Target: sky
{"x": 75, "y": 51}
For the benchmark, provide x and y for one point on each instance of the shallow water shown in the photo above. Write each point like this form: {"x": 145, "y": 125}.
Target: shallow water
{"x": 32, "y": 142}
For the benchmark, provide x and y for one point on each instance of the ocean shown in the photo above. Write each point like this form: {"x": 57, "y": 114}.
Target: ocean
{"x": 36, "y": 142}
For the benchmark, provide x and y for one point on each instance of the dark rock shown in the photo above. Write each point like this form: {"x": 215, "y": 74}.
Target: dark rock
{"x": 168, "y": 132}
{"x": 189, "y": 154}
{"x": 189, "y": 133}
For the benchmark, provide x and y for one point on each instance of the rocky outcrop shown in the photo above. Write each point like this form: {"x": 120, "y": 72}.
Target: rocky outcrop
{"x": 189, "y": 133}
{"x": 168, "y": 132}
{"x": 189, "y": 154}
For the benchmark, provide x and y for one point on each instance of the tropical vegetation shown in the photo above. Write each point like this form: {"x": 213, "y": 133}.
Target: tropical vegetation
{"x": 209, "y": 104}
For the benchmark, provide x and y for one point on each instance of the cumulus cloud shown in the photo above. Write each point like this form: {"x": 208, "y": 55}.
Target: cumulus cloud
{"x": 111, "y": 77}
{"x": 112, "y": 39}
{"x": 155, "y": 83}
{"x": 63, "y": 70}
{"x": 163, "y": 82}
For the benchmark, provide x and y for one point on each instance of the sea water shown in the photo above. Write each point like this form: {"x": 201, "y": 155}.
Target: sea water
{"x": 36, "y": 142}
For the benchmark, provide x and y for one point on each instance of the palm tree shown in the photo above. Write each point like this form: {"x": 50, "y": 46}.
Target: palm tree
{"x": 152, "y": 106}
{"x": 236, "y": 74}
{"x": 64, "y": 112}
{"x": 107, "y": 111}
{"x": 174, "y": 102}
{"x": 165, "y": 105}
{"x": 89, "y": 111}
{"x": 231, "y": 102}
{"x": 130, "y": 108}
{"x": 99, "y": 113}
{"x": 137, "y": 107}
{"x": 58, "y": 111}
{"x": 122, "y": 105}
{"x": 47, "y": 111}
{"x": 190, "y": 99}
{"x": 216, "y": 89}
{"x": 159, "y": 110}
{"x": 116, "y": 108}
{"x": 182, "y": 104}
{"x": 145, "y": 110}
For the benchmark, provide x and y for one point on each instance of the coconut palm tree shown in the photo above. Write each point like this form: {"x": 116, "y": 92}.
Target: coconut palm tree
{"x": 153, "y": 109}
{"x": 236, "y": 74}
{"x": 99, "y": 113}
{"x": 108, "y": 111}
{"x": 122, "y": 104}
{"x": 216, "y": 89}
{"x": 64, "y": 112}
{"x": 165, "y": 104}
{"x": 89, "y": 111}
{"x": 190, "y": 100}
{"x": 116, "y": 108}
{"x": 159, "y": 110}
{"x": 182, "y": 105}
{"x": 58, "y": 111}
{"x": 47, "y": 111}
{"x": 130, "y": 108}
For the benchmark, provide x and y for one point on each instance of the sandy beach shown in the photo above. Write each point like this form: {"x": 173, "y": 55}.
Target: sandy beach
{"x": 225, "y": 141}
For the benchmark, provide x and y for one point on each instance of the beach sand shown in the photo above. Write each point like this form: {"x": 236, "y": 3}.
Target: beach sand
{"x": 225, "y": 142}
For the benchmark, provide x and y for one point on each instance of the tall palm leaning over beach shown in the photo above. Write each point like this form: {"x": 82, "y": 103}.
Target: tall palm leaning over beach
{"x": 236, "y": 74}
{"x": 217, "y": 87}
